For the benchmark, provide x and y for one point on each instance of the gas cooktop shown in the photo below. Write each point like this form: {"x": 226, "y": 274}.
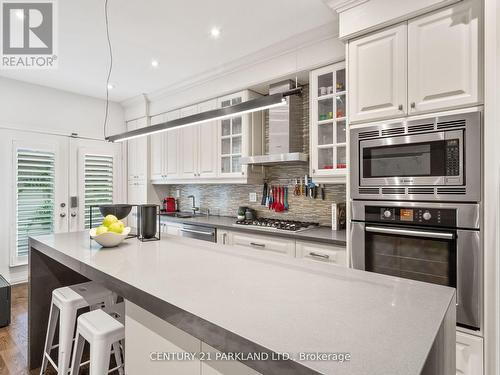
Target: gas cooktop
{"x": 276, "y": 224}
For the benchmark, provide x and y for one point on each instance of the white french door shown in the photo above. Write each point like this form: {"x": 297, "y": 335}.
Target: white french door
{"x": 38, "y": 189}
{"x": 95, "y": 180}
{"x": 41, "y": 175}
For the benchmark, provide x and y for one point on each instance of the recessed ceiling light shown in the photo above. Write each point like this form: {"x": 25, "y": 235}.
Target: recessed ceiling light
{"x": 155, "y": 63}
{"x": 215, "y": 32}
{"x": 111, "y": 86}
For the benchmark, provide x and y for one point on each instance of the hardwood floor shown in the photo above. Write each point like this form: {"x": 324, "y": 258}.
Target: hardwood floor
{"x": 14, "y": 338}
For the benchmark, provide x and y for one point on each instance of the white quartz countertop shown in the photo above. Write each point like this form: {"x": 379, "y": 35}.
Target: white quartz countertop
{"x": 387, "y": 324}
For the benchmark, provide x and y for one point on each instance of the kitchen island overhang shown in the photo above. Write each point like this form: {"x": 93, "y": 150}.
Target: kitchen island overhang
{"x": 240, "y": 302}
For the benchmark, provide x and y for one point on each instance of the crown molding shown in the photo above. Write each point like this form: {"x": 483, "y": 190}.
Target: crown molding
{"x": 340, "y": 6}
{"x": 290, "y": 45}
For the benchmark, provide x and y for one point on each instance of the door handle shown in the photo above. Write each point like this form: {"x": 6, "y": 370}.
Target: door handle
{"x": 412, "y": 105}
{"x": 411, "y": 232}
{"x": 62, "y": 214}
{"x": 257, "y": 244}
{"x": 73, "y": 214}
{"x": 400, "y": 107}
{"x": 318, "y": 255}
{"x": 197, "y": 232}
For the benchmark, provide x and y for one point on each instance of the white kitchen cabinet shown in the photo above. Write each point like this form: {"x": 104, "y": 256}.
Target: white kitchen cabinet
{"x": 378, "y": 75}
{"x": 274, "y": 245}
{"x": 328, "y": 159}
{"x": 137, "y": 152}
{"x": 319, "y": 252}
{"x": 469, "y": 354}
{"x": 427, "y": 64}
{"x": 164, "y": 146}
{"x": 137, "y": 192}
{"x": 188, "y": 151}
{"x": 222, "y": 367}
{"x": 207, "y": 143}
{"x": 444, "y": 59}
{"x": 238, "y": 137}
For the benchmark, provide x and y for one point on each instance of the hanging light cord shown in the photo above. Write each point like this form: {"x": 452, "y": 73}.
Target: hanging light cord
{"x": 106, "y": 113}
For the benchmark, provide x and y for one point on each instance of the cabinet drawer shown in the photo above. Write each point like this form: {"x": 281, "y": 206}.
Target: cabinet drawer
{"x": 322, "y": 253}
{"x": 264, "y": 243}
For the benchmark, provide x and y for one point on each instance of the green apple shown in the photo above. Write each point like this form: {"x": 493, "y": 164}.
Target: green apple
{"x": 100, "y": 230}
{"x": 109, "y": 220}
{"x": 116, "y": 228}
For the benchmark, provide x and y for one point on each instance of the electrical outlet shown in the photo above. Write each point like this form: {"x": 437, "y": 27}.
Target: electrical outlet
{"x": 252, "y": 197}
{"x": 177, "y": 193}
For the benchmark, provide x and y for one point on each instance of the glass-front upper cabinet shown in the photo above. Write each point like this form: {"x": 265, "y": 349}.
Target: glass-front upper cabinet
{"x": 328, "y": 95}
{"x": 239, "y": 136}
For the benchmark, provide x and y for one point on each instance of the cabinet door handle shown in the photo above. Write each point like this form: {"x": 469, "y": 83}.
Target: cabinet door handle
{"x": 318, "y": 255}
{"x": 62, "y": 214}
{"x": 400, "y": 107}
{"x": 257, "y": 244}
{"x": 412, "y": 105}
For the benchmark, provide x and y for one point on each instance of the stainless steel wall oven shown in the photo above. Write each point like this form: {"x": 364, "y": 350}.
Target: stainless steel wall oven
{"x": 435, "y": 158}
{"x": 432, "y": 242}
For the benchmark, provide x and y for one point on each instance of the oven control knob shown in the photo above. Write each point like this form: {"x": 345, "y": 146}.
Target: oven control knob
{"x": 387, "y": 214}
{"x": 427, "y": 215}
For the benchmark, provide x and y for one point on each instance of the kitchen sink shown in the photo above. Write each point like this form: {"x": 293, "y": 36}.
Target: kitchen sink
{"x": 180, "y": 215}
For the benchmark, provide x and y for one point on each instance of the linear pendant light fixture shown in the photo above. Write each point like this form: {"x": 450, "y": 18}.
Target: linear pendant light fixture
{"x": 242, "y": 108}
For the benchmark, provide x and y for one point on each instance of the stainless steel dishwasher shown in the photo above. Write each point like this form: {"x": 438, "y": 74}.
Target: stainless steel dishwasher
{"x": 199, "y": 232}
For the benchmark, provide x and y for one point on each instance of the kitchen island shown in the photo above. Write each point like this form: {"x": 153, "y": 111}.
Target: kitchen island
{"x": 234, "y": 300}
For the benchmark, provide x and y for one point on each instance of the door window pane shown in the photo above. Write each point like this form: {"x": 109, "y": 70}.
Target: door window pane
{"x": 98, "y": 185}
{"x": 340, "y": 80}
{"x": 236, "y": 125}
{"x": 340, "y": 106}
{"x": 341, "y": 132}
{"x": 325, "y": 84}
{"x": 226, "y": 164}
{"x": 35, "y": 190}
{"x": 325, "y": 158}
{"x": 325, "y": 109}
{"x": 226, "y": 127}
{"x": 236, "y": 164}
{"x": 341, "y": 157}
{"x": 226, "y": 146}
{"x": 325, "y": 134}
{"x": 236, "y": 145}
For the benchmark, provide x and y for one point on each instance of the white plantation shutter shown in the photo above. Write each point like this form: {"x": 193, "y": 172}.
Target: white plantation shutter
{"x": 98, "y": 172}
{"x": 35, "y": 177}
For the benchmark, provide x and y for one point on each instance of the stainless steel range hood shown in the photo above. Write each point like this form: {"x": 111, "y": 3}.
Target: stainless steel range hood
{"x": 286, "y": 131}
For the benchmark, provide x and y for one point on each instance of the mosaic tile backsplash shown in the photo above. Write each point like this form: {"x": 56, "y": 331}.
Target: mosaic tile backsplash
{"x": 224, "y": 200}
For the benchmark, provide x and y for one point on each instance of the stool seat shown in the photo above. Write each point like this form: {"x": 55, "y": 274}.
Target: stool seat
{"x": 102, "y": 332}
{"x": 99, "y": 325}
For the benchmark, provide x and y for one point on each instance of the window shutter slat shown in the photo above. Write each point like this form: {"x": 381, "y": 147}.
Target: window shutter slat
{"x": 98, "y": 185}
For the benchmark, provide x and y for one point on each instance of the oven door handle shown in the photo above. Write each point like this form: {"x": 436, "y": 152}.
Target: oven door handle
{"x": 411, "y": 232}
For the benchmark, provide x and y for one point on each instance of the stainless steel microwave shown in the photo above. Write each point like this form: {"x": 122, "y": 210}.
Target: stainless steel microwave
{"x": 436, "y": 158}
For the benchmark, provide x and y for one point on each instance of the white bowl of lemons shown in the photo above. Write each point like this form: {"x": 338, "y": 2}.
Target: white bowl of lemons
{"x": 111, "y": 233}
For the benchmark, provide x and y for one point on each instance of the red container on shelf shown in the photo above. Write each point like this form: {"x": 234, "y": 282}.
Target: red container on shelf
{"x": 169, "y": 204}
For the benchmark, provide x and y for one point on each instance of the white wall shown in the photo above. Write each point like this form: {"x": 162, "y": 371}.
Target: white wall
{"x": 24, "y": 106}
{"x": 28, "y": 107}
{"x": 318, "y": 48}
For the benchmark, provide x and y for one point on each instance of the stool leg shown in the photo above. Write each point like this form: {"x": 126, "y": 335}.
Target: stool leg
{"x": 77, "y": 354}
{"x": 99, "y": 357}
{"x": 66, "y": 330}
{"x": 49, "y": 338}
{"x": 118, "y": 356}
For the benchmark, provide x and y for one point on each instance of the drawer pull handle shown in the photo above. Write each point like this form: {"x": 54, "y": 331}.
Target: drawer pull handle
{"x": 257, "y": 244}
{"x": 317, "y": 255}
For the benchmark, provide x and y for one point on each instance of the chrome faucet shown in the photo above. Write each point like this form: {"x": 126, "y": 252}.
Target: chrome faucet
{"x": 193, "y": 206}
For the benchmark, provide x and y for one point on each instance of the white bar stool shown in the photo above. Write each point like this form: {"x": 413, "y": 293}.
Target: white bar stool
{"x": 66, "y": 302}
{"x": 102, "y": 332}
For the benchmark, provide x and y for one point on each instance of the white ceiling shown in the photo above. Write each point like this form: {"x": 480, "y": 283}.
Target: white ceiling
{"x": 176, "y": 32}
